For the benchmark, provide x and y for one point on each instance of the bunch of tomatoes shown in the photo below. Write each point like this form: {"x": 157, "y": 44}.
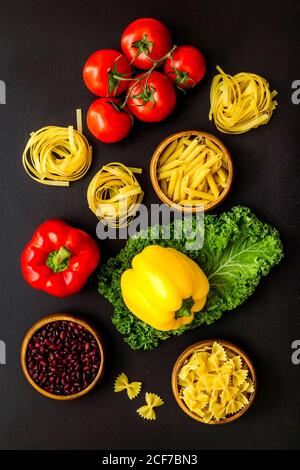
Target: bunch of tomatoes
{"x": 150, "y": 95}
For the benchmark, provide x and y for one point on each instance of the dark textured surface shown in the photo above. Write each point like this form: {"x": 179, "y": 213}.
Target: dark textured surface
{"x": 43, "y": 46}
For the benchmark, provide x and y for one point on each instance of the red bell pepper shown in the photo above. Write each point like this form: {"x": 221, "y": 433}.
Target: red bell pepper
{"x": 59, "y": 258}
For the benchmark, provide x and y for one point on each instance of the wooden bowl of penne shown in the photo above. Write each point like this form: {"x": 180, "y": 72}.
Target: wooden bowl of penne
{"x": 191, "y": 171}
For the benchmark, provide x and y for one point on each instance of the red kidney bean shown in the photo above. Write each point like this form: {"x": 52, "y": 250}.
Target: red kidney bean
{"x": 63, "y": 358}
{"x": 58, "y": 356}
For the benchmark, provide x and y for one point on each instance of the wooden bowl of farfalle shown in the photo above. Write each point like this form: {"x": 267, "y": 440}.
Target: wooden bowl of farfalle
{"x": 214, "y": 382}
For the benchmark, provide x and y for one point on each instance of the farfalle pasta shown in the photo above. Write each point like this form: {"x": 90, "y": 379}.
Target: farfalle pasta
{"x": 214, "y": 382}
{"x": 132, "y": 388}
{"x": 147, "y": 411}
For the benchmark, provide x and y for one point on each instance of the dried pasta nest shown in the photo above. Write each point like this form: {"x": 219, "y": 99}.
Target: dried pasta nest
{"x": 240, "y": 102}
{"x": 114, "y": 194}
{"x": 56, "y": 155}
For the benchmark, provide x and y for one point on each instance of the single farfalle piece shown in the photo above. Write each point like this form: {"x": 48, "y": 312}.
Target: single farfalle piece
{"x": 234, "y": 406}
{"x": 132, "y": 388}
{"x": 219, "y": 351}
{"x": 147, "y": 411}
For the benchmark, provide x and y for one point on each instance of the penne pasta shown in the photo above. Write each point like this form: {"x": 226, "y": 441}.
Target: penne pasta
{"x": 166, "y": 174}
{"x": 189, "y": 149}
{"x": 212, "y": 185}
{"x": 210, "y": 162}
{"x": 184, "y": 185}
{"x": 195, "y": 162}
{"x": 211, "y": 145}
{"x": 172, "y": 184}
{"x": 198, "y": 177}
{"x": 192, "y": 202}
{"x": 177, "y": 152}
{"x": 169, "y": 150}
{"x": 194, "y": 193}
{"x": 221, "y": 175}
{"x": 168, "y": 166}
{"x": 176, "y": 195}
{"x": 193, "y": 154}
{"x": 219, "y": 181}
{"x": 164, "y": 186}
{"x": 192, "y": 171}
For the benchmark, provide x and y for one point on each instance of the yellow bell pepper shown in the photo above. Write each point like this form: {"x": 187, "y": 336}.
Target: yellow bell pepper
{"x": 164, "y": 288}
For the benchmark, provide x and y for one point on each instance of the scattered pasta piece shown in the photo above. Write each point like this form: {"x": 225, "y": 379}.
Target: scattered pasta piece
{"x": 241, "y": 102}
{"x": 114, "y": 194}
{"x": 147, "y": 411}
{"x": 56, "y": 155}
{"x": 214, "y": 382}
{"x": 132, "y": 388}
{"x": 193, "y": 171}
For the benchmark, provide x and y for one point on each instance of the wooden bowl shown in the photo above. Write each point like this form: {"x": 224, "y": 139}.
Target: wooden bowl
{"x": 38, "y": 325}
{"x": 187, "y": 353}
{"x": 153, "y": 171}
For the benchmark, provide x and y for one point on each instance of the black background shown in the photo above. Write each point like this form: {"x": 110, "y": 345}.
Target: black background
{"x": 43, "y": 46}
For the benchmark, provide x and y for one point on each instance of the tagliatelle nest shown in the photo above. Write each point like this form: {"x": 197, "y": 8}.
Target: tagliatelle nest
{"x": 56, "y": 155}
{"x": 114, "y": 194}
{"x": 240, "y": 102}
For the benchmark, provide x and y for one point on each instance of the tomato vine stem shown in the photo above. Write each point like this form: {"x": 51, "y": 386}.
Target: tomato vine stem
{"x": 146, "y": 75}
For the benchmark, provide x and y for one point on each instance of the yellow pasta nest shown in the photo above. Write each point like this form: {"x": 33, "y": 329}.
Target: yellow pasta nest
{"x": 192, "y": 171}
{"x": 57, "y": 155}
{"x": 114, "y": 194}
{"x": 214, "y": 383}
{"x": 240, "y": 102}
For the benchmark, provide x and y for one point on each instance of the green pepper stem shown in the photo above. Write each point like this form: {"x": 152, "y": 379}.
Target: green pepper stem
{"x": 58, "y": 260}
{"x": 185, "y": 309}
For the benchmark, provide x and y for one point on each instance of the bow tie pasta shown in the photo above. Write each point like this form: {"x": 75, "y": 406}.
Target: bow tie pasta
{"x": 215, "y": 382}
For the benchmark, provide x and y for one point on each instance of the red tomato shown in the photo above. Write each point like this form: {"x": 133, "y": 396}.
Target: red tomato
{"x": 145, "y": 40}
{"x": 102, "y": 70}
{"x": 152, "y": 100}
{"x": 186, "y": 67}
{"x": 108, "y": 123}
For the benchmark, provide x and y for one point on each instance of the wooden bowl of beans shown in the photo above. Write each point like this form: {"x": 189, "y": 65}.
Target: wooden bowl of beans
{"x": 62, "y": 357}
